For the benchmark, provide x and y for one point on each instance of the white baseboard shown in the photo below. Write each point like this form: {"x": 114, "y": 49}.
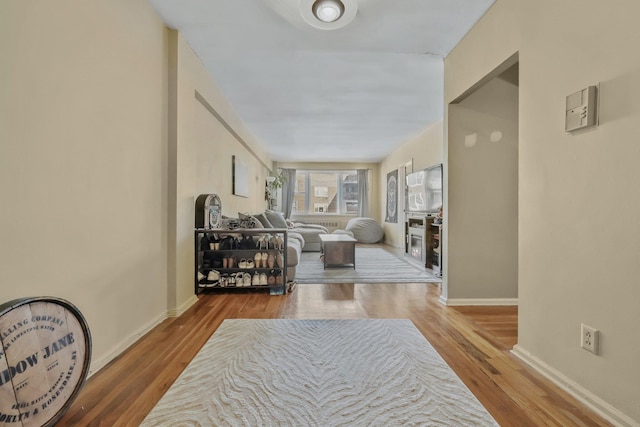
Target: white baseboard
{"x": 587, "y": 398}
{"x": 478, "y": 301}
{"x": 96, "y": 365}
{"x": 184, "y": 307}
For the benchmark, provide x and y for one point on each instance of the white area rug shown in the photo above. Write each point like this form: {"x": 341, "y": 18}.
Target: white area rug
{"x": 373, "y": 265}
{"x": 369, "y": 372}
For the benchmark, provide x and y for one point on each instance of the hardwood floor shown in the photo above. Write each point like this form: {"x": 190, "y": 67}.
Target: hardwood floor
{"x": 474, "y": 341}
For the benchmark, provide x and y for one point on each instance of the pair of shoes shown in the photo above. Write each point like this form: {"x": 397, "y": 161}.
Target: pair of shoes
{"x": 276, "y": 277}
{"x": 245, "y": 263}
{"x": 228, "y": 262}
{"x": 259, "y": 279}
{"x": 243, "y": 279}
{"x": 261, "y": 260}
{"x": 263, "y": 242}
{"x": 231, "y": 281}
{"x": 273, "y": 242}
{"x": 213, "y": 276}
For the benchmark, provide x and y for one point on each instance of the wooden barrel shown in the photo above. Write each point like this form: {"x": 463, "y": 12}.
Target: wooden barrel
{"x": 44, "y": 360}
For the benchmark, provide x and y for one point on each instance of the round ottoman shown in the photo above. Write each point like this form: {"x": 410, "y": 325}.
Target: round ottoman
{"x": 365, "y": 230}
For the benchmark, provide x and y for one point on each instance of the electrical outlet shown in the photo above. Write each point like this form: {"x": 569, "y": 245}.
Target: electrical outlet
{"x": 589, "y": 338}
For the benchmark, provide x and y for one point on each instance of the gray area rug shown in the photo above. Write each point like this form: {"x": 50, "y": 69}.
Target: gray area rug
{"x": 366, "y": 372}
{"x": 373, "y": 265}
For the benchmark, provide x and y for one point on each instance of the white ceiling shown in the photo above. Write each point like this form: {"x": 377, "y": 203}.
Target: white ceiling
{"x": 350, "y": 94}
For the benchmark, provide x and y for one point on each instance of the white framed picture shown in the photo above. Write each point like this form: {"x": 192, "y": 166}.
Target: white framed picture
{"x": 240, "y": 177}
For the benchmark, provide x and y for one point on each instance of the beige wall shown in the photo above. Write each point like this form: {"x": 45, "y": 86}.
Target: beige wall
{"x": 422, "y": 151}
{"x": 203, "y": 149}
{"x": 482, "y": 263}
{"x": 103, "y": 150}
{"x": 578, "y": 228}
{"x": 83, "y": 162}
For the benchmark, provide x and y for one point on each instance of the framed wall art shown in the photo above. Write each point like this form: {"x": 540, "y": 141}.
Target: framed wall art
{"x": 392, "y": 197}
{"x": 240, "y": 178}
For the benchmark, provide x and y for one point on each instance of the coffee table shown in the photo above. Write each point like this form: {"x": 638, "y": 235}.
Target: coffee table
{"x": 338, "y": 250}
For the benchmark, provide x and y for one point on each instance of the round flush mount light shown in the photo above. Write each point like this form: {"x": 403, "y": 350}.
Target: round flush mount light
{"x": 328, "y": 14}
{"x": 328, "y": 10}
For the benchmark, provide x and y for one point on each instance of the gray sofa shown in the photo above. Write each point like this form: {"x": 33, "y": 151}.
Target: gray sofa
{"x": 311, "y": 234}
{"x": 300, "y": 237}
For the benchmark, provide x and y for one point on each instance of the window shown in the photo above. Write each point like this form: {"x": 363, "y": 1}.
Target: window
{"x": 326, "y": 192}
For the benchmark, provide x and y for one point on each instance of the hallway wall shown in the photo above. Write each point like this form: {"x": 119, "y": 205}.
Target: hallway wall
{"x": 578, "y": 229}
{"x": 83, "y": 162}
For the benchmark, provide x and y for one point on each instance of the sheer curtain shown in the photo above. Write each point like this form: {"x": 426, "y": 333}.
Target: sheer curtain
{"x": 288, "y": 190}
{"x": 363, "y": 192}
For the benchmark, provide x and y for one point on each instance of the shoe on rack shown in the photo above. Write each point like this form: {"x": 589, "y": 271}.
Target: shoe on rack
{"x": 200, "y": 276}
{"x": 231, "y": 263}
{"x": 250, "y": 263}
{"x": 264, "y": 256}
{"x": 243, "y": 263}
{"x": 258, "y": 259}
{"x": 240, "y": 279}
{"x": 246, "y": 279}
{"x": 225, "y": 262}
{"x": 213, "y": 276}
{"x": 271, "y": 279}
{"x": 279, "y": 260}
{"x": 271, "y": 261}
{"x": 256, "y": 279}
{"x": 263, "y": 280}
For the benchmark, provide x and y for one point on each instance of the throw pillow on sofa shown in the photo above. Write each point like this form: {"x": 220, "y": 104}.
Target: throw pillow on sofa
{"x": 256, "y": 222}
{"x": 263, "y": 219}
{"x": 276, "y": 218}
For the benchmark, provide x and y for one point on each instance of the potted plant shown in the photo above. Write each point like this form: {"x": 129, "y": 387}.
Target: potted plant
{"x": 273, "y": 183}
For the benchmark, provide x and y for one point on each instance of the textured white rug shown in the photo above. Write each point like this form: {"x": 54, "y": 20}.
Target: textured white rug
{"x": 373, "y": 265}
{"x": 369, "y": 372}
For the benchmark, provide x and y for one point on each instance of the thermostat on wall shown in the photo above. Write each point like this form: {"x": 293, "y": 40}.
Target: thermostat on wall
{"x": 581, "y": 109}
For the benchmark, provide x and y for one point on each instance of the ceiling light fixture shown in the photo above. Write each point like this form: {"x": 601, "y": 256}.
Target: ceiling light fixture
{"x": 328, "y": 14}
{"x": 328, "y": 10}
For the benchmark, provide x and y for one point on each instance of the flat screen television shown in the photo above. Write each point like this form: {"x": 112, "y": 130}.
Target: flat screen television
{"x": 423, "y": 190}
